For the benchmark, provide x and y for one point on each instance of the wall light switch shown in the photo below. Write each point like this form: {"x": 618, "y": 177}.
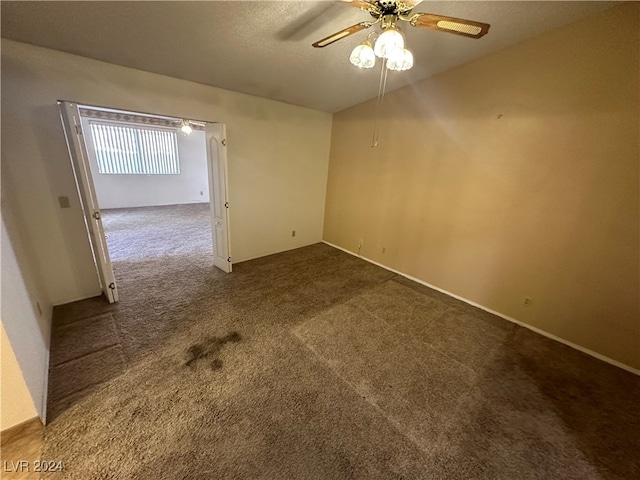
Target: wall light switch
{"x": 64, "y": 202}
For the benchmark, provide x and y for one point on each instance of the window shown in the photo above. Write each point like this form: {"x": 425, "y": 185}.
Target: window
{"x": 135, "y": 150}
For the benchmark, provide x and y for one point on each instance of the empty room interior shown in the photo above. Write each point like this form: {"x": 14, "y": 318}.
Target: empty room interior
{"x": 357, "y": 239}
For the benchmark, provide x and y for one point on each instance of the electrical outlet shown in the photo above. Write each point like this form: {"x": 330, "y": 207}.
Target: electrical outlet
{"x": 293, "y": 233}
{"x": 527, "y": 301}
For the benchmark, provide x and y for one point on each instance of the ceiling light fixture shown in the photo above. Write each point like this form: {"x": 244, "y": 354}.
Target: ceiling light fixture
{"x": 186, "y": 127}
{"x": 388, "y": 46}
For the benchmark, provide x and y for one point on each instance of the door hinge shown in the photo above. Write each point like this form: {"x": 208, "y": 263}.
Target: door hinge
{"x": 78, "y": 129}
{"x": 226, "y": 204}
{"x": 224, "y": 142}
{"x": 112, "y": 286}
{"x": 96, "y": 215}
{"x": 229, "y": 259}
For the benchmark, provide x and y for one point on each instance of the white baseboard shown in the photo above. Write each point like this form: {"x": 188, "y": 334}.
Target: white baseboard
{"x": 501, "y": 315}
{"x": 57, "y": 303}
{"x": 42, "y": 411}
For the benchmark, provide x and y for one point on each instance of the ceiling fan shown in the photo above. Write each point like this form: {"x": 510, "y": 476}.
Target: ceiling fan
{"x": 390, "y": 43}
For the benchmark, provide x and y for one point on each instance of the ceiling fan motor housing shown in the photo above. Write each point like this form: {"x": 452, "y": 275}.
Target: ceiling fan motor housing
{"x": 389, "y": 7}
{"x": 388, "y": 21}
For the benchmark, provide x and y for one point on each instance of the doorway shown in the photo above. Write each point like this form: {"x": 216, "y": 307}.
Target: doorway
{"x": 131, "y": 162}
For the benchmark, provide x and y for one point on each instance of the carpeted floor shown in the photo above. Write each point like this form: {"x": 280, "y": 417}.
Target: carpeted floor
{"x": 313, "y": 364}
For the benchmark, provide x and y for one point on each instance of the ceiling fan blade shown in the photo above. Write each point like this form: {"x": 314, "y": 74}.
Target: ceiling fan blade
{"x": 342, "y": 34}
{"x": 459, "y": 26}
{"x": 362, "y": 5}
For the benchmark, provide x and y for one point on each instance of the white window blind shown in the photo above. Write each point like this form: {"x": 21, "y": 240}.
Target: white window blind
{"x": 135, "y": 150}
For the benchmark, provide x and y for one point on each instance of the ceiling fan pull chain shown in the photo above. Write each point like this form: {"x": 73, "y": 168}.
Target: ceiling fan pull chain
{"x": 381, "y": 89}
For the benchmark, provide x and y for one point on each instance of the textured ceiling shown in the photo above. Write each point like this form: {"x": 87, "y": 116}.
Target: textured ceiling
{"x": 264, "y": 48}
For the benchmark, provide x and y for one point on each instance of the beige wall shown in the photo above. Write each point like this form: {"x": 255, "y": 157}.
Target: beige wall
{"x": 278, "y": 158}
{"x": 17, "y": 406}
{"x": 514, "y": 175}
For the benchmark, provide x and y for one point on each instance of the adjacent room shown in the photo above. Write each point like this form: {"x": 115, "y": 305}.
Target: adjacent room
{"x": 152, "y": 189}
{"x": 148, "y": 173}
{"x": 355, "y": 239}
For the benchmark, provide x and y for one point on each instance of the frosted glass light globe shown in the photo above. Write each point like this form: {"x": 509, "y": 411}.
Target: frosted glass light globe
{"x": 408, "y": 60}
{"x": 362, "y": 56}
{"x": 389, "y": 41}
{"x": 400, "y": 60}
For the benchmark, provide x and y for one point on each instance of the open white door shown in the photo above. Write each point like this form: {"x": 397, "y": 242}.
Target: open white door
{"x": 70, "y": 115}
{"x": 217, "y": 162}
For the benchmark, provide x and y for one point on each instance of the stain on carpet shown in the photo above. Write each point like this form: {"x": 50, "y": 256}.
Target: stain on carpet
{"x": 210, "y": 346}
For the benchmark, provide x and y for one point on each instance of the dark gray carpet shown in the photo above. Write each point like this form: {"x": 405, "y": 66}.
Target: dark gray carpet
{"x": 313, "y": 364}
